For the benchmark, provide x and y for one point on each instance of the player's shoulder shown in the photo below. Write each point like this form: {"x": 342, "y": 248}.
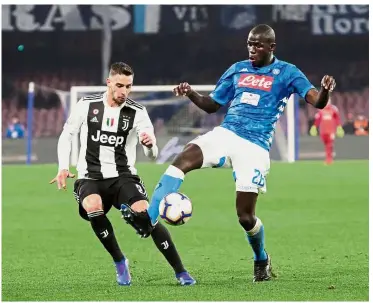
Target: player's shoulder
{"x": 93, "y": 98}
{"x": 84, "y": 102}
{"x": 287, "y": 69}
{"x": 237, "y": 67}
{"x": 241, "y": 65}
{"x": 135, "y": 105}
{"x": 287, "y": 66}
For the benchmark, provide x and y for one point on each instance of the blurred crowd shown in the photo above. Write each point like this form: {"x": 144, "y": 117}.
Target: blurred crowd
{"x": 49, "y": 112}
{"x": 165, "y": 59}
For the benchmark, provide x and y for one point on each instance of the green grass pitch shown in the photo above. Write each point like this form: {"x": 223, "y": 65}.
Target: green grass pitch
{"x": 316, "y": 228}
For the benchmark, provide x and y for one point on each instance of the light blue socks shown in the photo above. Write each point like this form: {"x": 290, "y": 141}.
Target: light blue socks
{"x": 169, "y": 183}
{"x": 256, "y": 240}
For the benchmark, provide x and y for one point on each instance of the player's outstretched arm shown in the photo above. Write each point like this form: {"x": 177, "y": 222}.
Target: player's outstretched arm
{"x": 71, "y": 127}
{"x": 205, "y": 103}
{"x": 320, "y": 98}
{"x": 63, "y": 152}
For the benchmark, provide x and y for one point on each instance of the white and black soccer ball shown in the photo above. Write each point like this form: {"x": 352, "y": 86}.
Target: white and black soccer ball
{"x": 175, "y": 209}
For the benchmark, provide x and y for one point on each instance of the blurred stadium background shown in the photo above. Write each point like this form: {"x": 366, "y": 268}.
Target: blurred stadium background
{"x": 60, "y": 46}
{"x": 316, "y": 216}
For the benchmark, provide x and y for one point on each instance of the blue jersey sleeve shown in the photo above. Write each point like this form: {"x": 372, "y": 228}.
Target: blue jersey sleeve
{"x": 224, "y": 89}
{"x": 298, "y": 82}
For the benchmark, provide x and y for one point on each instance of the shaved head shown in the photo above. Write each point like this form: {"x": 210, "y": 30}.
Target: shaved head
{"x": 265, "y": 32}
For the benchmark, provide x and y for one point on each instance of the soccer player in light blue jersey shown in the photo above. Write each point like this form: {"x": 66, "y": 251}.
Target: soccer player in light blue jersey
{"x": 257, "y": 90}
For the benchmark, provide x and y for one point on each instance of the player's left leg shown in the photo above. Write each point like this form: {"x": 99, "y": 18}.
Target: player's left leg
{"x": 254, "y": 229}
{"x": 133, "y": 194}
{"x": 249, "y": 174}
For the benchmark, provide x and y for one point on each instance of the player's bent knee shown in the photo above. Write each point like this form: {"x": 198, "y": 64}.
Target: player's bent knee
{"x": 247, "y": 221}
{"x": 92, "y": 203}
{"x": 140, "y": 206}
{"x": 189, "y": 159}
{"x": 245, "y": 206}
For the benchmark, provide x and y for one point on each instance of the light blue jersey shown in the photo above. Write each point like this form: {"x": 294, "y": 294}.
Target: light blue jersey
{"x": 259, "y": 97}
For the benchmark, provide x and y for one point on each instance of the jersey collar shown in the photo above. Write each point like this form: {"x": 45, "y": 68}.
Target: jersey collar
{"x": 104, "y": 96}
{"x": 268, "y": 68}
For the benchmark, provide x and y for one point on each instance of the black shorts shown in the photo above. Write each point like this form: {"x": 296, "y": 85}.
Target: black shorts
{"x": 126, "y": 189}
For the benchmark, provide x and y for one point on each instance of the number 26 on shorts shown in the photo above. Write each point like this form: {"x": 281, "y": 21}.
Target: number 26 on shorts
{"x": 258, "y": 178}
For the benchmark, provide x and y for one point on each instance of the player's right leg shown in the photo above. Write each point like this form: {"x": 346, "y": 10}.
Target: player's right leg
{"x": 204, "y": 151}
{"x": 88, "y": 194}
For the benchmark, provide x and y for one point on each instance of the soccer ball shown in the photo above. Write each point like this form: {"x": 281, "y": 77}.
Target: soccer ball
{"x": 175, "y": 209}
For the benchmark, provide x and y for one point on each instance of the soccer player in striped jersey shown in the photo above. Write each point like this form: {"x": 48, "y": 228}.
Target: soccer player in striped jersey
{"x": 257, "y": 90}
{"x": 110, "y": 125}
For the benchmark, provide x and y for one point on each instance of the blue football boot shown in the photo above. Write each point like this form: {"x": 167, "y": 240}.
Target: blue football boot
{"x": 184, "y": 278}
{"x": 123, "y": 273}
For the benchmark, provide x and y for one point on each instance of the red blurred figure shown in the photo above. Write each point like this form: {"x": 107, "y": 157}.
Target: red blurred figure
{"x": 328, "y": 121}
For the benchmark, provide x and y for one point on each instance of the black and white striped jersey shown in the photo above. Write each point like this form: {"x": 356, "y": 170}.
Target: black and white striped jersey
{"x": 108, "y": 137}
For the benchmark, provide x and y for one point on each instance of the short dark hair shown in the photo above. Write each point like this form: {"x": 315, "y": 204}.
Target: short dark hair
{"x": 265, "y": 31}
{"x": 121, "y": 68}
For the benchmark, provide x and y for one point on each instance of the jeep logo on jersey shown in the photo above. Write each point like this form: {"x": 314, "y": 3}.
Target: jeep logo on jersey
{"x": 105, "y": 139}
{"x": 256, "y": 82}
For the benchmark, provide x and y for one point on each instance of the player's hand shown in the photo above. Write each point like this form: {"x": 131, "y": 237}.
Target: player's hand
{"x": 146, "y": 140}
{"x": 313, "y": 131}
{"x": 183, "y": 89}
{"x": 328, "y": 83}
{"x": 340, "y": 132}
{"x": 61, "y": 178}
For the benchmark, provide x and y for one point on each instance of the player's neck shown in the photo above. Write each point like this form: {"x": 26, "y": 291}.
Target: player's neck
{"x": 270, "y": 60}
{"x": 266, "y": 62}
{"x": 111, "y": 102}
